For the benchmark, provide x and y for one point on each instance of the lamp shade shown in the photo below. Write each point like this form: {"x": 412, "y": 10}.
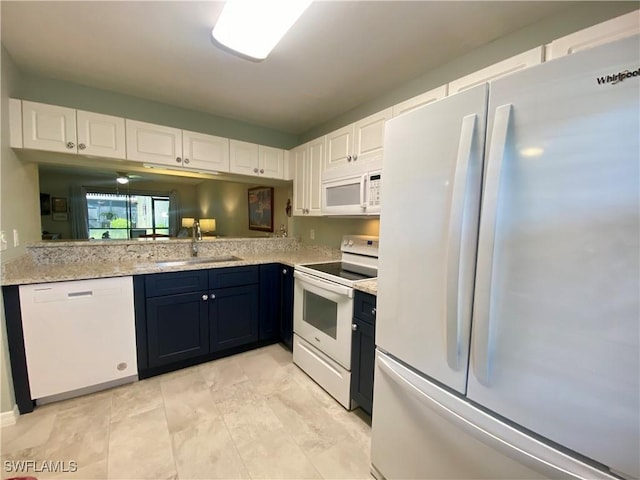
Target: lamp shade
{"x": 187, "y": 222}
{"x": 208, "y": 224}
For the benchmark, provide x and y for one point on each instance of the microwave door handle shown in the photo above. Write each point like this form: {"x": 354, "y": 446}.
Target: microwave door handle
{"x": 363, "y": 185}
{"x": 331, "y": 287}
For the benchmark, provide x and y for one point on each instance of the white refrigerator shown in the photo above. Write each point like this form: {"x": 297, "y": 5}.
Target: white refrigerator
{"x": 508, "y": 292}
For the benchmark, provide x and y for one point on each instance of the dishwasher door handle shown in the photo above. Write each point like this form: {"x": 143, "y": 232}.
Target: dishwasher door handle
{"x": 87, "y": 293}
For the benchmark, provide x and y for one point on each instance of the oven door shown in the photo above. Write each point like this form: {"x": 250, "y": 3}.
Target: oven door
{"x": 322, "y": 313}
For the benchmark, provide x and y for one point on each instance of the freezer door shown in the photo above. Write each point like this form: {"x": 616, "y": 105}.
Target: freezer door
{"x": 555, "y": 323}
{"x": 421, "y": 431}
{"x": 428, "y": 234}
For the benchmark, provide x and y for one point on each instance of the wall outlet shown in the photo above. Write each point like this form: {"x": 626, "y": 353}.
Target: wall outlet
{"x": 16, "y": 238}
{"x": 312, "y": 234}
{"x": 3, "y": 241}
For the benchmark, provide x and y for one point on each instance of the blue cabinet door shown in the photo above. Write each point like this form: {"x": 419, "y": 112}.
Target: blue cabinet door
{"x": 177, "y": 327}
{"x": 286, "y": 306}
{"x": 269, "y": 301}
{"x": 233, "y": 317}
{"x": 363, "y": 350}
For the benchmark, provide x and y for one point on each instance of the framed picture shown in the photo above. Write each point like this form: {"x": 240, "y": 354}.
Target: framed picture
{"x": 261, "y": 209}
{"x": 58, "y": 205}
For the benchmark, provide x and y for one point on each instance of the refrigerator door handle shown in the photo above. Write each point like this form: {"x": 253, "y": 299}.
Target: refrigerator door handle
{"x": 453, "y": 319}
{"x": 482, "y": 338}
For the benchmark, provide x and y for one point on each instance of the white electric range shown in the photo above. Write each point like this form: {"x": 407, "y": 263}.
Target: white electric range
{"x": 323, "y": 312}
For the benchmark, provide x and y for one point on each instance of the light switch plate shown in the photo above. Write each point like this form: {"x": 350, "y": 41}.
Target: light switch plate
{"x": 3, "y": 241}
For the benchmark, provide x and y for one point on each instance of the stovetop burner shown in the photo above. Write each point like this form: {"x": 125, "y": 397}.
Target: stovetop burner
{"x": 344, "y": 270}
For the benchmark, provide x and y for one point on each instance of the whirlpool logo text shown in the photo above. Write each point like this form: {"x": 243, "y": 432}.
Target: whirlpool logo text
{"x": 618, "y": 77}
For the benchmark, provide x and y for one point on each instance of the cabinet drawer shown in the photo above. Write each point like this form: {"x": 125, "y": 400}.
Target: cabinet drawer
{"x": 233, "y": 277}
{"x": 172, "y": 283}
{"x": 364, "y": 307}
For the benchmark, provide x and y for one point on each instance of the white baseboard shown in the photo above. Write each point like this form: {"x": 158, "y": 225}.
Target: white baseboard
{"x": 9, "y": 418}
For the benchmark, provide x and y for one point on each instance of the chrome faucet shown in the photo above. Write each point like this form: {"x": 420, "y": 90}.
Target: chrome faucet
{"x": 197, "y": 235}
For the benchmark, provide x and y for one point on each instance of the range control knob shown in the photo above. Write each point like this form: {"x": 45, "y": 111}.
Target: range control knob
{"x": 351, "y": 243}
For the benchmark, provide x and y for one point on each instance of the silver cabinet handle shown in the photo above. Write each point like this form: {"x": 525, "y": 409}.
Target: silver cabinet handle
{"x": 255, "y": 170}
{"x": 71, "y": 145}
{"x": 355, "y": 157}
{"x": 262, "y": 170}
{"x": 212, "y": 296}
{"x": 178, "y": 160}
{"x": 186, "y": 160}
{"x": 349, "y": 157}
{"x": 284, "y": 271}
{"x": 354, "y": 327}
{"x": 205, "y": 297}
{"x": 373, "y": 312}
{"x": 81, "y": 146}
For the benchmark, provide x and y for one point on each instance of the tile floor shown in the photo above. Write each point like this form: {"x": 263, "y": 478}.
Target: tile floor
{"x": 252, "y": 415}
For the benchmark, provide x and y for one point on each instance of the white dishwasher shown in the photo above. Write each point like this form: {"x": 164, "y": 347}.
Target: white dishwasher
{"x": 79, "y": 336}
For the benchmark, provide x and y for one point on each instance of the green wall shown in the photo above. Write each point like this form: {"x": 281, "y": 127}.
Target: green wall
{"x": 73, "y": 95}
{"x": 577, "y": 17}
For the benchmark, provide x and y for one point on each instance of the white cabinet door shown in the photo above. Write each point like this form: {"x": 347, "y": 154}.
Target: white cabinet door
{"x": 271, "y": 162}
{"x": 339, "y": 145}
{"x": 243, "y": 157}
{"x": 101, "y": 135}
{"x": 49, "y": 127}
{"x": 205, "y": 152}
{"x": 299, "y": 161}
{"x": 147, "y": 142}
{"x": 368, "y": 139}
{"x": 614, "y": 29}
{"x": 534, "y": 56}
{"x": 420, "y": 100}
{"x": 307, "y": 181}
{"x": 315, "y": 163}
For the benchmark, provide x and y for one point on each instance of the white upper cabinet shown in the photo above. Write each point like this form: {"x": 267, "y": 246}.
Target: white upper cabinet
{"x": 359, "y": 146}
{"x": 147, "y": 142}
{"x": 308, "y": 161}
{"x": 243, "y": 157}
{"x": 524, "y": 60}
{"x": 205, "y": 152}
{"x": 614, "y": 29}
{"x": 271, "y": 161}
{"x": 256, "y": 160}
{"x": 61, "y": 129}
{"x": 49, "y": 127}
{"x": 101, "y": 135}
{"x": 419, "y": 100}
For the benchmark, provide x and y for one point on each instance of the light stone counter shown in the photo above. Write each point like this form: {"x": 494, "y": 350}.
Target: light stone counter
{"x": 368, "y": 286}
{"x": 79, "y": 260}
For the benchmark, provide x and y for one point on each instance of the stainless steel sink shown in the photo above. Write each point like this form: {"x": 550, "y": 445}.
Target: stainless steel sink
{"x": 197, "y": 261}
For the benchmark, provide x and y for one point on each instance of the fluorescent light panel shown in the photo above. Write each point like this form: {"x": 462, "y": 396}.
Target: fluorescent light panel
{"x": 253, "y": 27}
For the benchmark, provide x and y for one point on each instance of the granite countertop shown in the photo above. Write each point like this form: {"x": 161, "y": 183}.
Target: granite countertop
{"x": 368, "y": 286}
{"x": 25, "y": 270}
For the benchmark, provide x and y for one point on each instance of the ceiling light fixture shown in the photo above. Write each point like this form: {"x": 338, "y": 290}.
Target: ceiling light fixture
{"x": 122, "y": 179}
{"x": 253, "y": 27}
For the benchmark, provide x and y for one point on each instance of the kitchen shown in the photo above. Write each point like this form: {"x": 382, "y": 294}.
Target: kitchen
{"x": 31, "y": 232}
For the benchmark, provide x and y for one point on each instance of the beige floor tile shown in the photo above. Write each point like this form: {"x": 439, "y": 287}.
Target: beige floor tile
{"x": 273, "y": 456}
{"x": 305, "y": 420}
{"x": 136, "y": 398}
{"x": 344, "y": 460}
{"x": 30, "y": 430}
{"x": 140, "y": 447}
{"x": 280, "y": 354}
{"x": 222, "y": 373}
{"x": 187, "y": 401}
{"x": 207, "y": 451}
{"x": 253, "y": 420}
{"x": 235, "y": 397}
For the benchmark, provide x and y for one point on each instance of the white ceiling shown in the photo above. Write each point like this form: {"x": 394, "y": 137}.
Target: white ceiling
{"x": 339, "y": 54}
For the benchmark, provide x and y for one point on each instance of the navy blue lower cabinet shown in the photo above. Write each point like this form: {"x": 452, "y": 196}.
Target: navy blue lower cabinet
{"x": 233, "y": 317}
{"x": 286, "y": 306}
{"x": 177, "y": 327}
{"x": 269, "y": 302}
{"x": 363, "y": 351}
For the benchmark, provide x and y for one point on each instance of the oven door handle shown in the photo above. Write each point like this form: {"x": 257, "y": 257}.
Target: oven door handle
{"x": 316, "y": 282}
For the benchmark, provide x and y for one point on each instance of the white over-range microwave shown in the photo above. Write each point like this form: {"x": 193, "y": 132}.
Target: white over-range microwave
{"x": 352, "y": 195}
